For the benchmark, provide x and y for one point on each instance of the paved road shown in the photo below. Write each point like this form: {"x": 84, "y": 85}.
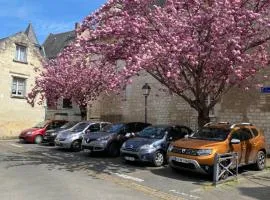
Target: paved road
{"x": 31, "y": 172}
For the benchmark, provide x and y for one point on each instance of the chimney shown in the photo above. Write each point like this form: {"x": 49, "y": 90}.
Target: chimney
{"x": 77, "y": 25}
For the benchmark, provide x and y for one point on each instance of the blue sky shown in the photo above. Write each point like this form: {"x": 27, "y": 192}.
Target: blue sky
{"x": 47, "y": 16}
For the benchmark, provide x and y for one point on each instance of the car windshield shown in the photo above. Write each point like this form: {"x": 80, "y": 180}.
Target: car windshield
{"x": 41, "y": 124}
{"x": 113, "y": 128}
{"x": 79, "y": 127}
{"x": 152, "y": 132}
{"x": 68, "y": 125}
{"x": 217, "y": 134}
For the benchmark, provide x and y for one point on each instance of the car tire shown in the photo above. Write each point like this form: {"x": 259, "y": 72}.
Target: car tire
{"x": 159, "y": 159}
{"x": 76, "y": 145}
{"x": 38, "y": 139}
{"x": 260, "y": 161}
{"x": 113, "y": 150}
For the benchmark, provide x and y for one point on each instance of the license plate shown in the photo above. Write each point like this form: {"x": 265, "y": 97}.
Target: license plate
{"x": 57, "y": 142}
{"x": 182, "y": 160}
{"x": 129, "y": 158}
{"x": 87, "y": 150}
{"x": 45, "y": 138}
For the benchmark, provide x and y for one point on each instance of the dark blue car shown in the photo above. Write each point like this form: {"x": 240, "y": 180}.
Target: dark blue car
{"x": 150, "y": 145}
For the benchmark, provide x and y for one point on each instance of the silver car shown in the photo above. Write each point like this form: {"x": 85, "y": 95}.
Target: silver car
{"x": 72, "y": 138}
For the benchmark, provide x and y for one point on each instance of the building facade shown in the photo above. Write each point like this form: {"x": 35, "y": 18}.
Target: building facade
{"x": 20, "y": 55}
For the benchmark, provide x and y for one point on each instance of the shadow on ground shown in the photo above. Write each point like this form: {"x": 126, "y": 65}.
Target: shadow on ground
{"x": 260, "y": 193}
{"x": 61, "y": 159}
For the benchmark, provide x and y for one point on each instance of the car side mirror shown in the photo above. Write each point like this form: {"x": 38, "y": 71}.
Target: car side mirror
{"x": 87, "y": 131}
{"x": 235, "y": 141}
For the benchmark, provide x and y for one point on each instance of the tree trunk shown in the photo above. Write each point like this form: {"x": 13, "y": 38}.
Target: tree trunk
{"x": 83, "y": 112}
{"x": 203, "y": 117}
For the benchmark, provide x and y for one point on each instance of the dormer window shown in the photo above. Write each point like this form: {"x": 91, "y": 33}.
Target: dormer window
{"x": 21, "y": 53}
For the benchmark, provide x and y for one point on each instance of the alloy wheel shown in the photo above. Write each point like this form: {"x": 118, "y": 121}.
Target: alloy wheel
{"x": 159, "y": 159}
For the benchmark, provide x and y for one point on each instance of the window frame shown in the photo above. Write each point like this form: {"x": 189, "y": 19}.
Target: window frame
{"x": 18, "y": 51}
{"x": 17, "y": 78}
{"x": 65, "y": 105}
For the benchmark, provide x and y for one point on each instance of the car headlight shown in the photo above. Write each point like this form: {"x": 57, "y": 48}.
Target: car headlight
{"x": 170, "y": 148}
{"x": 29, "y": 133}
{"x": 123, "y": 145}
{"x": 204, "y": 152}
{"x": 147, "y": 147}
{"x": 104, "y": 138}
{"x": 53, "y": 134}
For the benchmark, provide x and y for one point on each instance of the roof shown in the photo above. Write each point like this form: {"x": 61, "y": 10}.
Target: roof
{"x": 31, "y": 34}
{"x": 55, "y": 43}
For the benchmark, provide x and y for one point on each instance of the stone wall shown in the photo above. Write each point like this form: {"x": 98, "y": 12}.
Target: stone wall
{"x": 163, "y": 107}
{"x": 15, "y": 113}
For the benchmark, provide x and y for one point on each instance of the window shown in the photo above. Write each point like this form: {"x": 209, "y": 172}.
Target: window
{"x": 18, "y": 86}
{"x": 255, "y": 132}
{"x": 21, "y": 53}
{"x": 242, "y": 134}
{"x": 94, "y": 127}
{"x": 67, "y": 103}
{"x": 245, "y": 134}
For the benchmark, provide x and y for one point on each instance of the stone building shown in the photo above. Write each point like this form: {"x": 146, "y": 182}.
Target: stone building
{"x": 20, "y": 54}
{"x": 65, "y": 108}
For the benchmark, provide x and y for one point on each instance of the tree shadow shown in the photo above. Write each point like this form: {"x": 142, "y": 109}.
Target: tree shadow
{"x": 260, "y": 193}
{"x": 62, "y": 159}
{"x": 183, "y": 175}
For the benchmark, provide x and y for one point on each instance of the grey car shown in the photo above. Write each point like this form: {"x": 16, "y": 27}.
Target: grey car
{"x": 150, "y": 145}
{"x": 72, "y": 138}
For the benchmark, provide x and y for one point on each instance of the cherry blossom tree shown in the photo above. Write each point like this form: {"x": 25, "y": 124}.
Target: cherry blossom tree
{"x": 196, "y": 48}
{"x": 73, "y": 75}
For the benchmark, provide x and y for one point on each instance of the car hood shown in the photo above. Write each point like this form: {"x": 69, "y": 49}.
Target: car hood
{"x": 67, "y": 133}
{"x": 138, "y": 142}
{"x": 196, "y": 143}
{"x": 96, "y": 135}
{"x": 29, "y": 130}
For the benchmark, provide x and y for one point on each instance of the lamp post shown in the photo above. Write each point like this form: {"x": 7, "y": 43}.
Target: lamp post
{"x": 146, "y": 91}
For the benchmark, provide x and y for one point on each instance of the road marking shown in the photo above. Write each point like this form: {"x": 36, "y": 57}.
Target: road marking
{"x": 185, "y": 194}
{"x": 15, "y": 145}
{"x": 50, "y": 156}
{"x": 157, "y": 194}
{"x": 128, "y": 177}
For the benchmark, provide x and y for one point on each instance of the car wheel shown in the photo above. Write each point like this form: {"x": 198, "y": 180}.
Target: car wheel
{"x": 76, "y": 145}
{"x": 260, "y": 161}
{"x": 113, "y": 150}
{"x": 38, "y": 139}
{"x": 159, "y": 159}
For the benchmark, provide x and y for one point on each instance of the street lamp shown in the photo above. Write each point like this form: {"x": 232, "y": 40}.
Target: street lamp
{"x": 146, "y": 91}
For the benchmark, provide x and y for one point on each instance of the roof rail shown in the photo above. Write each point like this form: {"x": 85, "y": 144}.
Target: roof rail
{"x": 243, "y": 123}
{"x": 224, "y": 123}
{"x": 209, "y": 123}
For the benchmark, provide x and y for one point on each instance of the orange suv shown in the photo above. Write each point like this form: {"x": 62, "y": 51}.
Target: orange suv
{"x": 197, "y": 152}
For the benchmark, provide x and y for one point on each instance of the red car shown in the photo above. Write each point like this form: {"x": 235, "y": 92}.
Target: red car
{"x": 36, "y": 133}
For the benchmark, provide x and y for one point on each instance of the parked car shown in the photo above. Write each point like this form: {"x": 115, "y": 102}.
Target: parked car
{"x": 198, "y": 151}
{"x": 150, "y": 145}
{"x": 37, "y": 132}
{"x": 72, "y": 138}
{"x": 50, "y": 135}
{"x": 111, "y": 138}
